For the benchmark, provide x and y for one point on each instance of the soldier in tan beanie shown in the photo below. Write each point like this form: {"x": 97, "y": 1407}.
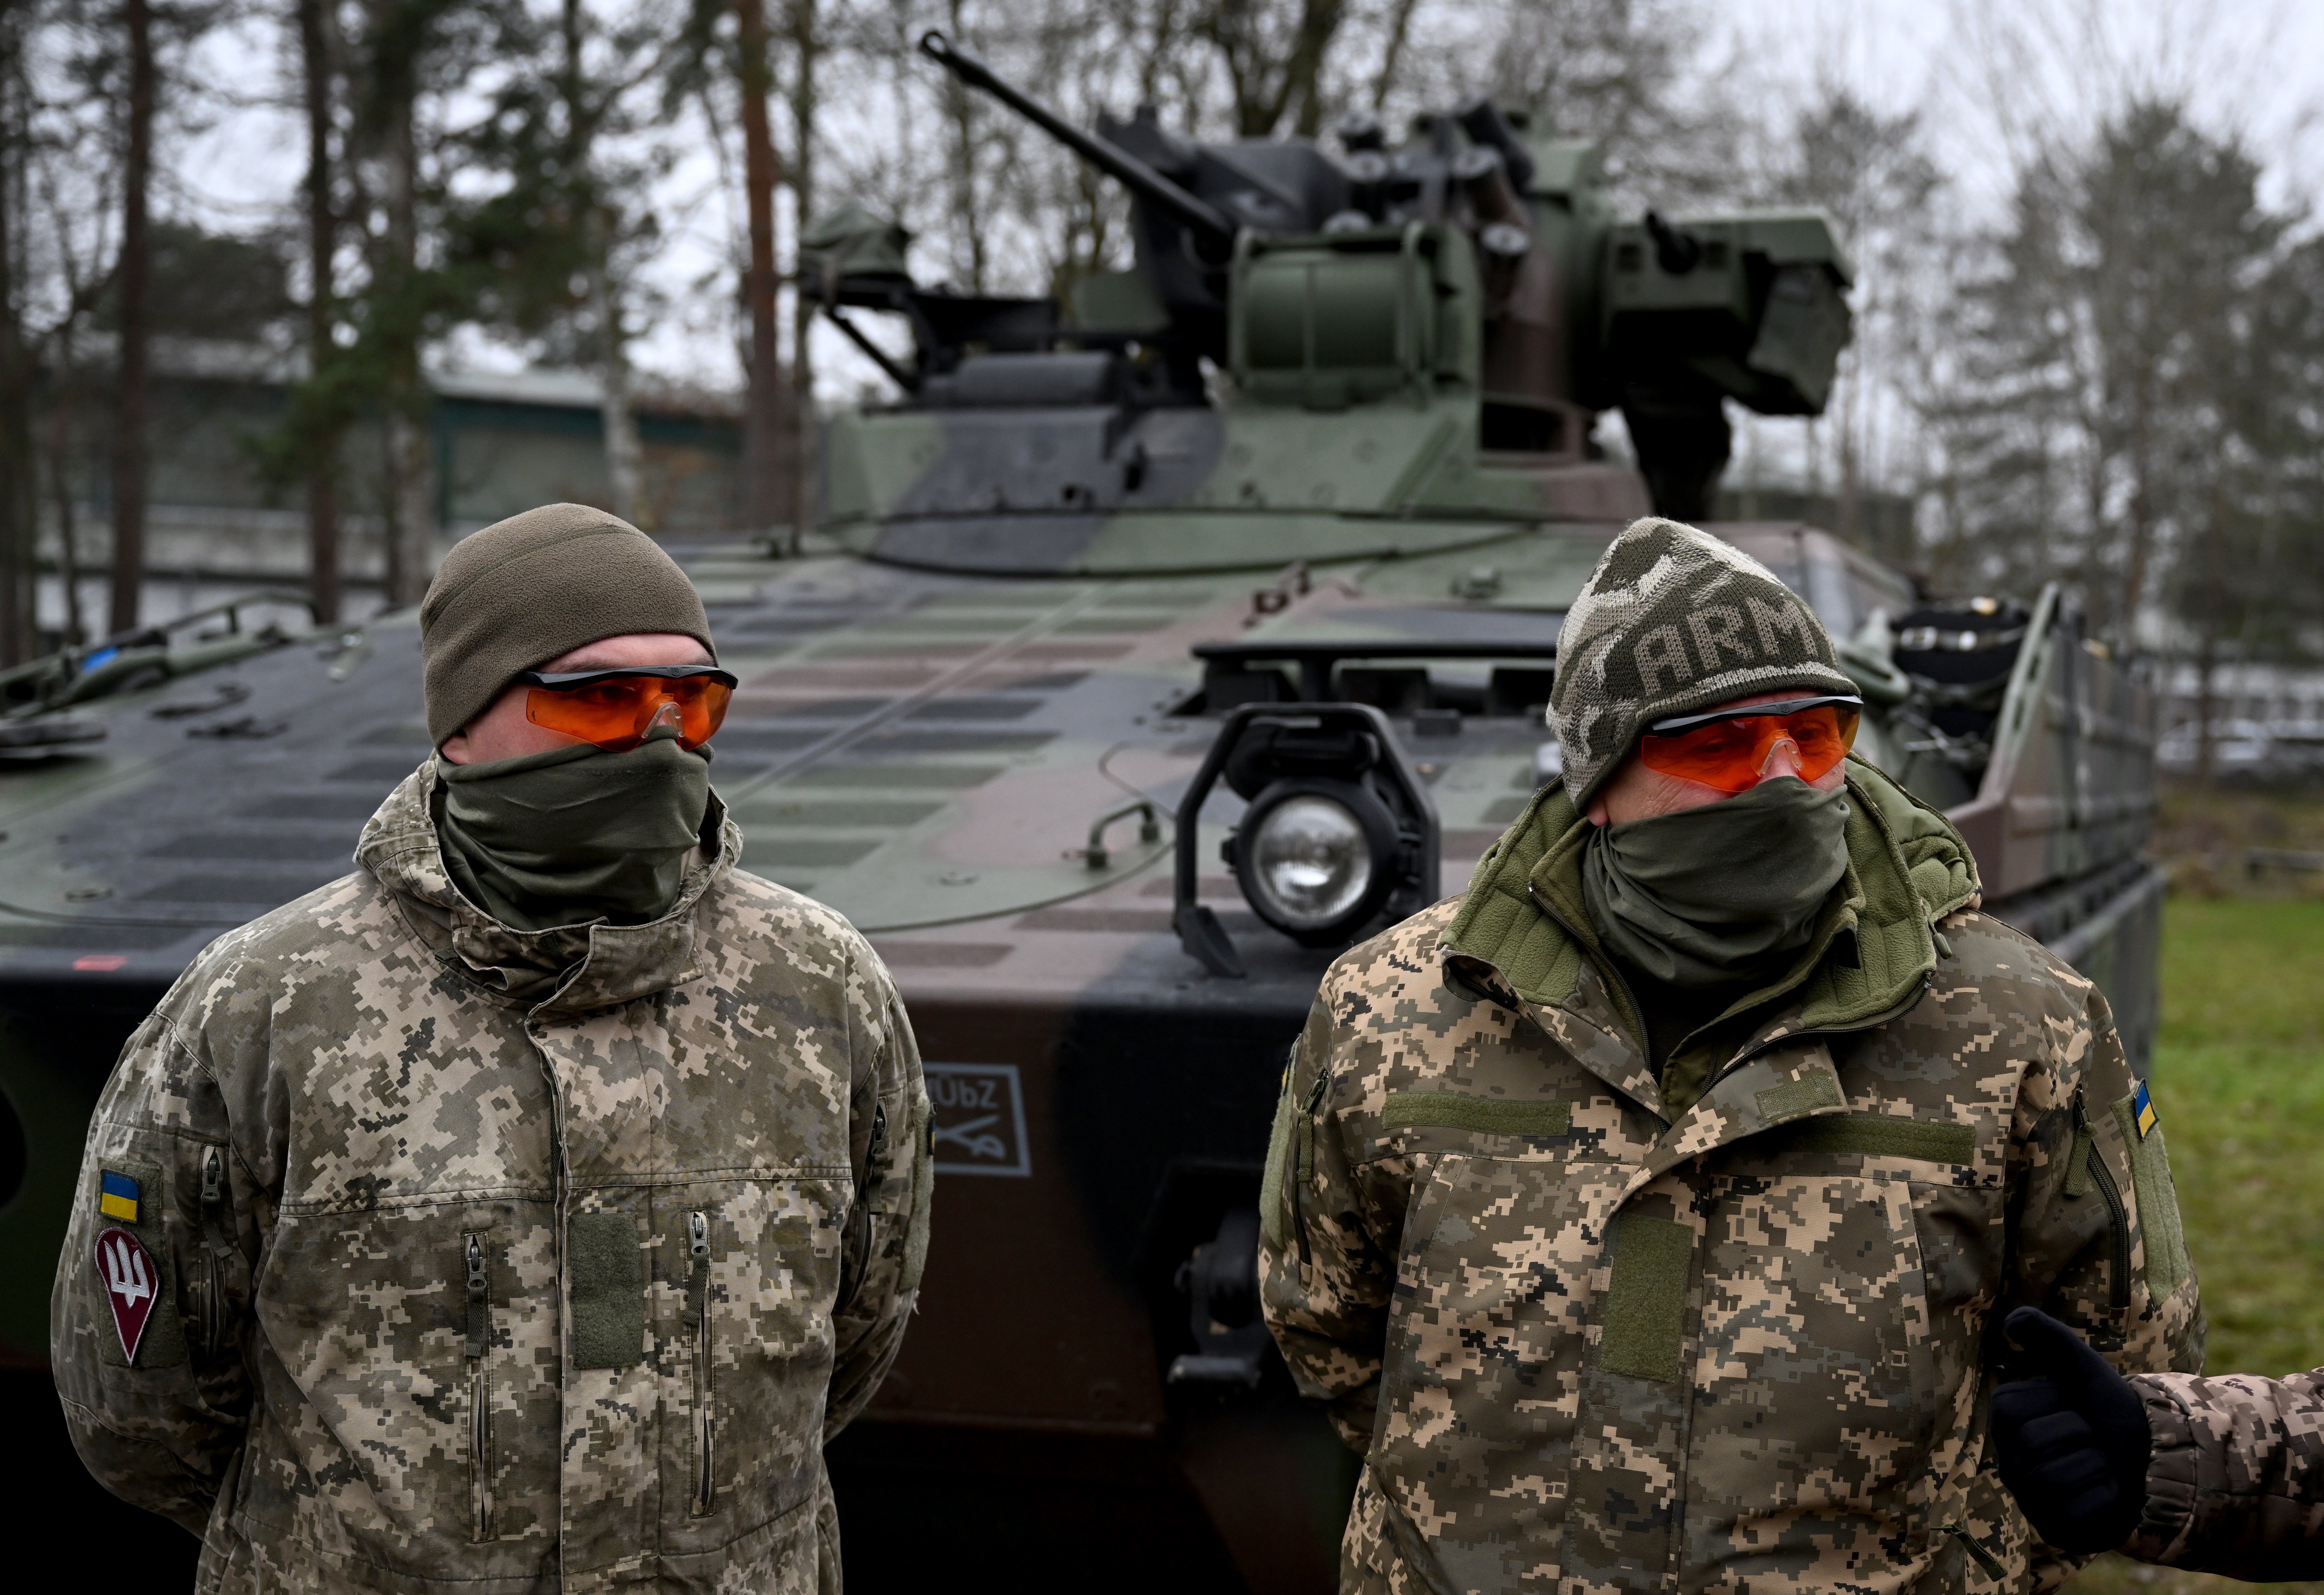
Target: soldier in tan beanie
{"x": 524, "y": 1210}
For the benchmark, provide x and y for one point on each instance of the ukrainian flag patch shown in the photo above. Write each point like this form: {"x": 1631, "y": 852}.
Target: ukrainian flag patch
{"x": 119, "y": 1197}
{"x": 2142, "y": 1110}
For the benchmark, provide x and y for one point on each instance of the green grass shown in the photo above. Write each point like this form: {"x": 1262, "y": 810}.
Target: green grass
{"x": 2239, "y": 1085}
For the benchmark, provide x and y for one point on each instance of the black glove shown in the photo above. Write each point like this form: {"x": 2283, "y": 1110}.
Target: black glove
{"x": 2071, "y": 1440}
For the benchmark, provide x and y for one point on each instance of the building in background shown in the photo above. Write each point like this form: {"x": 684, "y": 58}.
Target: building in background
{"x": 500, "y": 443}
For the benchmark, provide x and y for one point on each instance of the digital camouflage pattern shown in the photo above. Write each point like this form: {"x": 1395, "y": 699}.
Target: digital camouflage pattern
{"x": 1585, "y": 1348}
{"x": 500, "y": 1260}
{"x": 1671, "y": 621}
{"x": 2237, "y": 1482}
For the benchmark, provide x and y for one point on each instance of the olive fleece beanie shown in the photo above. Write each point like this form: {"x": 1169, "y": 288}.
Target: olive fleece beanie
{"x": 532, "y": 586}
{"x": 1672, "y": 621}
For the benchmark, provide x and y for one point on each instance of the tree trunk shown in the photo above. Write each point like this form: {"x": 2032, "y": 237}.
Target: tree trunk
{"x": 62, "y": 414}
{"x": 2142, "y": 516}
{"x": 602, "y": 229}
{"x": 961, "y": 105}
{"x": 68, "y": 527}
{"x": 411, "y": 516}
{"x": 763, "y": 505}
{"x": 1392, "y": 54}
{"x": 322, "y": 244}
{"x": 624, "y": 455}
{"x": 807, "y": 44}
{"x": 129, "y": 395}
{"x": 19, "y": 503}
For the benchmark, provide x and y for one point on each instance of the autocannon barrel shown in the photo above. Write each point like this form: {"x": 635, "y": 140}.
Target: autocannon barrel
{"x": 1139, "y": 179}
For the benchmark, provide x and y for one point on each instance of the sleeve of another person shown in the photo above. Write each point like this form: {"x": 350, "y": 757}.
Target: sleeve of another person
{"x": 2096, "y": 1241}
{"x": 885, "y": 1243}
{"x": 2236, "y": 1485}
{"x": 151, "y": 1308}
{"x": 1324, "y": 1280}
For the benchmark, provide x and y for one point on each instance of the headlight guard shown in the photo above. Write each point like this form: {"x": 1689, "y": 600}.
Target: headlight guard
{"x": 1315, "y": 777}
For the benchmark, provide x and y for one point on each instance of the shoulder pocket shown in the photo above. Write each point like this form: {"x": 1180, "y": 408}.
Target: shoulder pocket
{"x": 132, "y": 1193}
{"x": 2158, "y": 1198}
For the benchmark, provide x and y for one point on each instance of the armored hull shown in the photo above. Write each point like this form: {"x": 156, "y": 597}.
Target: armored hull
{"x": 932, "y": 752}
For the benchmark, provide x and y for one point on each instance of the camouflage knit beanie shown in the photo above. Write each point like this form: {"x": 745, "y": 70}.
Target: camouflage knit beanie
{"x": 1672, "y": 621}
{"x": 532, "y": 586}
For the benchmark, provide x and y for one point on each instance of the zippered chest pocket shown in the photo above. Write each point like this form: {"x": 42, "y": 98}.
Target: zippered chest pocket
{"x": 754, "y": 1271}
{"x": 704, "y": 1496}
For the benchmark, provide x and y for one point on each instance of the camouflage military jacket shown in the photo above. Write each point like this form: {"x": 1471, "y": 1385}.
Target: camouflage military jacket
{"x": 2237, "y": 1482}
{"x": 1586, "y": 1345}
{"x": 414, "y": 1252}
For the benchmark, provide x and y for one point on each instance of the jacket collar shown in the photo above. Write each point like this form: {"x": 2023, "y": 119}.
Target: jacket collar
{"x": 568, "y": 969}
{"x": 1522, "y": 926}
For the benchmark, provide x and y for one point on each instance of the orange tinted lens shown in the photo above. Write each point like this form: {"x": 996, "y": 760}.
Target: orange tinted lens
{"x": 702, "y": 704}
{"x": 615, "y": 713}
{"x": 1729, "y": 754}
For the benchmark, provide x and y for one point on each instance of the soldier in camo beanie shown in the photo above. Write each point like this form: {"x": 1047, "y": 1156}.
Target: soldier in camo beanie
{"x": 1672, "y": 621}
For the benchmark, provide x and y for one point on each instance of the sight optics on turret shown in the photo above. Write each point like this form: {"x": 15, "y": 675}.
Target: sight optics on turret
{"x": 1475, "y": 275}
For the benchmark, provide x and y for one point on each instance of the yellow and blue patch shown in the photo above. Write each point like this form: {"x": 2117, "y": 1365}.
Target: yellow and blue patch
{"x": 117, "y": 1199}
{"x": 2142, "y": 1110}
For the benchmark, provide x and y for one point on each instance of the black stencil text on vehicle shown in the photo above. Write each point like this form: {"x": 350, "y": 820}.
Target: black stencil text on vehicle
{"x": 980, "y": 1119}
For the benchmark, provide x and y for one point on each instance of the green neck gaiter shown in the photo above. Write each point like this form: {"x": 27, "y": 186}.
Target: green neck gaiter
{"x": 1715, "y": 896}
{"x": 577, "y": 834}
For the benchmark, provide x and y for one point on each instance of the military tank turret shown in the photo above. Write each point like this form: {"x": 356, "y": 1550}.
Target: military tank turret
{"x": 1399, "y": 350}
{"x": 1158, "y": 641}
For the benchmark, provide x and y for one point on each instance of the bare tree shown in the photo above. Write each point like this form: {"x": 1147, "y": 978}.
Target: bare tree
{"x": 1274, "y": 57}
{"x": 1872, "y": 174}
{"x": 586, "y": 107}
{"x": 320, "y": 78}
{"x": 19, "y": 475}
{"x": 130, "y": 292}
{"x": 762, "y": 445}
{"x": 806, "y": 54}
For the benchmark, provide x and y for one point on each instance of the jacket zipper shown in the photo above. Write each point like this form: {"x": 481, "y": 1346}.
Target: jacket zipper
{"x": 697, "y": 1305}
{"x": 1302, "y": 1162}
{"x": 2118, "y": 1284}
{"x": 213, "y": 1246}
{"x": 480, "y": 1384}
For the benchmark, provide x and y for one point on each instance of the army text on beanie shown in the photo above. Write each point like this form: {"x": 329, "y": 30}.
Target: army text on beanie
{"x": 1672, "y": 621}
{"x": 535, "y": 586}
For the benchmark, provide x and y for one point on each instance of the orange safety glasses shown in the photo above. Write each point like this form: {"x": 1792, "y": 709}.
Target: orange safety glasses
{"x": 616, "y": 708}
{"x": 1729, "y": 748}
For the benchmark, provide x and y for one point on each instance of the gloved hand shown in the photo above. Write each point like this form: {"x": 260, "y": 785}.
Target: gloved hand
{"x": 2070, "y": 1440}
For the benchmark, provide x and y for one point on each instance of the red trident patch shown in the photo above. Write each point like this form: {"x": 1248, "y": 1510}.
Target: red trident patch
{"x": 126, "y": 1270}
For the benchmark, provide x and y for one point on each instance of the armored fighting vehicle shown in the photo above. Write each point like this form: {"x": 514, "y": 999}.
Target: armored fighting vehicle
{"x": 1159, "y": 642}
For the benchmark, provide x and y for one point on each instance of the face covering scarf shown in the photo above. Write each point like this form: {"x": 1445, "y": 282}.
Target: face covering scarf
{"x": 1713, "y": 896}
{"x": 576, "y": 833}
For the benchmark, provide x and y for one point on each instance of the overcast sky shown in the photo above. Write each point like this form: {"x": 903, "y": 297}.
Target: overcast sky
{"x": 1988, "y": 76}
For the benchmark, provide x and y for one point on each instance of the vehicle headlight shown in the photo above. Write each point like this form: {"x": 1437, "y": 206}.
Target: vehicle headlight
{"x": 1311, "y": 860}
{"x": 1316, "y": 857}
